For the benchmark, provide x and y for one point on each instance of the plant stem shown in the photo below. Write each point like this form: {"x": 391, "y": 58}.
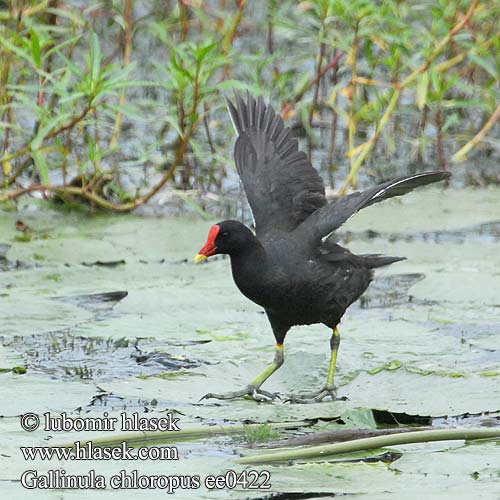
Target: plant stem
{"x": 184, "y": 20}
{"x": 185, "y": 434}
{"x": 334, "y": 64}
{"x": 333, "y": 135}
{"x": 369, "y": 145}
{"x": 270, "y": 34}
{"x": 230, "y": 35}
{"x": 127, "y": 53}
{"x": 351, "y": 125}
{"x": 372, "y": 443}
{"x": 439, "y": 126}
{"x": 461, "y": 154}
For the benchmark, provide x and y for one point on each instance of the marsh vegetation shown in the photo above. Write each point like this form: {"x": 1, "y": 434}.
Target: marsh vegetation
{"x": 109, "y": 102}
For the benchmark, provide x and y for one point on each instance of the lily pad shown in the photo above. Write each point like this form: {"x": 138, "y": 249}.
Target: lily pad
{"x": 420, "y": 347}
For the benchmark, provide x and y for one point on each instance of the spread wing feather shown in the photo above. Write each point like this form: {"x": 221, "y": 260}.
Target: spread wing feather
{"x": 281, "y": 185}
{"x": 332, "y": 216}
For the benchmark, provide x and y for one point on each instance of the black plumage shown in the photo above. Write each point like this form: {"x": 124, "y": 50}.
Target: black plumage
{"x": 291, "y": 267}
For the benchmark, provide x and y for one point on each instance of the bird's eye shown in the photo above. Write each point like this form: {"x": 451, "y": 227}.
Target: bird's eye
{"x": 224, "y": 234}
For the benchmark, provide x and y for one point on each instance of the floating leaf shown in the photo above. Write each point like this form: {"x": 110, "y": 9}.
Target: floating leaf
{"x": 391, "y": 366}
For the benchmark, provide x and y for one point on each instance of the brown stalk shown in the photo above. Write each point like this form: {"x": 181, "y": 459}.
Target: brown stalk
{"x": 421, "y": 126}
{"x": 96, "y": 161}
{"x": 230, "y": 35}
{"x": 339, "y": 436}
{"x": 270, "y": 34}
{"x": 352, "y": 126}
{"x": 207, "y": 128}
{"x": 127, "y": 54}
{"x": 52, "y": 21}
{"x": 322, "y": 50}
{"x": 5, "y": 98}
{"x": 335, "y": 117}
{"x": 440, "y": 149}
{"x": 289, "y": 106}
{"x": 183, "y": 11}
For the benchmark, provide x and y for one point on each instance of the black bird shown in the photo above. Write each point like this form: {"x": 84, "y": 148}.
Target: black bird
{"x": 291, "y": 268}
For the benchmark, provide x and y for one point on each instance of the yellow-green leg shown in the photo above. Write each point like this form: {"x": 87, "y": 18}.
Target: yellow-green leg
{"x": 329, "y": 388}
{"x": 334, "y": 349}
{"x": 253, "y": 389}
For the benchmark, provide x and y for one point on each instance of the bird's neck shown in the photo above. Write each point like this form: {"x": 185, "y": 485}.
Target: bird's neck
{"x": 251, "y": 251}
{"x": 249, "y": 260}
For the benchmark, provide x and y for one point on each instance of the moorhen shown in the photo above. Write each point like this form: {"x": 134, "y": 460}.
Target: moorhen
{"x": 291, "y": 268}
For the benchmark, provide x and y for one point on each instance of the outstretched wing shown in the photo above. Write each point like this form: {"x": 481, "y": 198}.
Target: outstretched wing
{"x": 281, "y": 185}
{"x": 332, "y": 216}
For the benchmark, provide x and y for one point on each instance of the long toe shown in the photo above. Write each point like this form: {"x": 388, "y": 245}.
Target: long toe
{"x": 260, "y": 395}
{"x": 316, "y": 397}
{"x": 324, "y": 393}
{"x": 228, "y": 395}
{"x": 252, "y": 392}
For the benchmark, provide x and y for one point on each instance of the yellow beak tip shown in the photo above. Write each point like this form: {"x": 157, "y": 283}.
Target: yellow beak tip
{"x": 200, "y": 258}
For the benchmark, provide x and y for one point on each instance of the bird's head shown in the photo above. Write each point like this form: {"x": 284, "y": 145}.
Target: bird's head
{"x": 228, "y": 237}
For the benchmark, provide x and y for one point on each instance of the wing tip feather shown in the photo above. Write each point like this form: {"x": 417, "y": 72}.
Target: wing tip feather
{"x": 233, "y": 114}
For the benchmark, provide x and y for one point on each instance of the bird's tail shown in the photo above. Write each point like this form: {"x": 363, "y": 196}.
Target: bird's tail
{"x": 333, "y": 252}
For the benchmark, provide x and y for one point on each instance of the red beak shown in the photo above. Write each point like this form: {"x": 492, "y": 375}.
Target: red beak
{"x": 209, "y": 248}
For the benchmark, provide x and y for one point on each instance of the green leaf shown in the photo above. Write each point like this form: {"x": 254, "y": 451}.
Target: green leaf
{"x": 422, "y": 87}
{"x": 436, "y": 81}
{"x": 57, "y": 48}
{"x": 180, "y": 70}
{"x": 72, "y": 66}
{"x": 465, "y": 103}
{"x": 123, "y": 84}
{"x": 35, "y": 49}
{"x": 17, "y": 50}
{"x": 173, "y": 121}
{"x": 484, "y": 63}
{"x": 45, "y": 129}
{"x": 72, "y": 97}
{"x": 129, "y": 110}
{"x": 202, "y": 52}
{"x": 451, "y": 121}
{"x": 92, "y": 148}
{"x": 74, "y": 16}
{"x": 41, "y": 166}
{"x": 95, "y": 60}
{"x": 237, "y": 85}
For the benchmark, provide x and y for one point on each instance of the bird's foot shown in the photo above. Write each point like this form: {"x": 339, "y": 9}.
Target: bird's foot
{"x": 316, "y": 397}
{"x": 250, "y": 391}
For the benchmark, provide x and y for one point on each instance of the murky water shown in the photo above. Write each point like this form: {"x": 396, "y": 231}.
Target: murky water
{"x": 425, "y": 340}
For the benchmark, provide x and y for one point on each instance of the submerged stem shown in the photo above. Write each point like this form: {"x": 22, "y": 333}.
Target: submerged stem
{"x": 372, "y": 443}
